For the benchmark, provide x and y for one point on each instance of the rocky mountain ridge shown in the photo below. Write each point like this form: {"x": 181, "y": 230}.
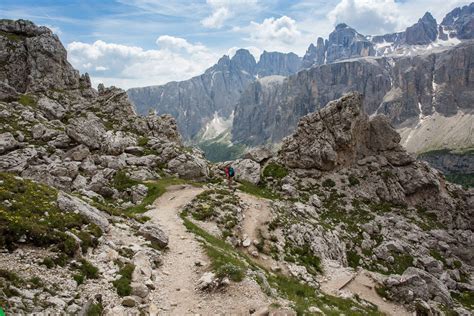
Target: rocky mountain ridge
{"x": 345, "y": 42}
{"x": 196, "y": 101}
{"x": 417, "y": 94}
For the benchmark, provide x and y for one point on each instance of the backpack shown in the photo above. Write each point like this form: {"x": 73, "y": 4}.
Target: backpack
{"x": 231, "y": 172}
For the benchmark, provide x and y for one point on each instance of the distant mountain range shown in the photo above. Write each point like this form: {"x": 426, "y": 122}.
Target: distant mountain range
{"x": 422, "y": 78}
{"x": 197, "y": 101}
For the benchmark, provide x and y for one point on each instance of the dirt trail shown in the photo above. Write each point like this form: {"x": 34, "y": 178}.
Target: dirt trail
{"x": 345, "y": 281}
{"x": 177, "y": 277}
{"x": 257, "y": 212}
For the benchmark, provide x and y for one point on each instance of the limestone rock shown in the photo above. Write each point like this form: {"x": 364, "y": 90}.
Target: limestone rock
{"x": 17, "y": 160}
{"x": 247, "y": 170}
{"x": 338, "y": 135}
{"x": 259, "y": 154}
{"x": 416, "y": 283}
{"x": 68, "y": 203}
{"x": 78, "y": 153}
{"x": 87, "y": 130}
{"x": 138, "y": 193}
{"x": 189, "y": 167}
{"x": 154, "y": 233}
{"x": 52, "y": 109}
{"x": 207, "y": 281}
{"x": 7, "y": 142}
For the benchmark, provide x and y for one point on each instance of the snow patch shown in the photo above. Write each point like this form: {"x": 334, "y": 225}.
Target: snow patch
{"x": 271, "y": 80}
{"x": 217, "y": 126}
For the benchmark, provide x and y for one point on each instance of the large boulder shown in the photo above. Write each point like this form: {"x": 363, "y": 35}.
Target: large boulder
{"x": 247, "y": 170}
{"x": 418, "y": 284}
{"x": 87, "y": 130}
{"x": 17, "y": 160}
{"x": 154, "y": 233}
{"x": 115, "y": 142}
{"x": 189, "y": 166}
{"x": 340, "y": 134}
{"x": 51, "y": 109}
{"x": 7, "y": 142}
{"x": 78, "y": 153}
{"x": 72, "y": 204}
{"x": 259, "y": 154}
{"x": 33, "y": 59}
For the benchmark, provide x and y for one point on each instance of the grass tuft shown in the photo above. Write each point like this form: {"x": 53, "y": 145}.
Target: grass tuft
{"x": 123, "y": 283}
{"x": 275, "y": 171}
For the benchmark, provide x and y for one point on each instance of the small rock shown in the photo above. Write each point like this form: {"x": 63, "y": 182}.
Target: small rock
{"x": 129, "y": 301}
{"x": 247, "y": 242}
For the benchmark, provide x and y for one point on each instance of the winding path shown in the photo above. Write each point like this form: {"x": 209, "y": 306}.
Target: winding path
{"x": 177, "y": 278}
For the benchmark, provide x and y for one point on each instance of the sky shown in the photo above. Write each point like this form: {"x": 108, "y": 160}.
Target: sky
{"x": 150, "y": 42}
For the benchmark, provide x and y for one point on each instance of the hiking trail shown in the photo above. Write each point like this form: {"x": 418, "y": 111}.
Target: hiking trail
{"x": 178, "y": 276}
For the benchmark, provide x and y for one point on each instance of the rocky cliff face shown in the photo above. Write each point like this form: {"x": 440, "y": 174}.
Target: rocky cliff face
{"x": 343, "y": 43}
{"x": 73, "y": 162}
{"x": 459, "y": 23}
{"x": 33, "y": 59}
{"x": 411, "y": 91}
{"x": 424, "y": 32}
{"x": 195, "y": 102}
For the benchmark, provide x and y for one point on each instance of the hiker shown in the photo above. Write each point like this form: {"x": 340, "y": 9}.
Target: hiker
{"x": 230, "y": 173}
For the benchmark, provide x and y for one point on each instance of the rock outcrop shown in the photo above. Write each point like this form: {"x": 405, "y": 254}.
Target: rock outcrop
{"x": 424, "y": 32}
{"x": 341, "y": 134}
{"x": 459, "y": 23}
{"x": 33, "y": 59}
{"x": 343, "y": 43}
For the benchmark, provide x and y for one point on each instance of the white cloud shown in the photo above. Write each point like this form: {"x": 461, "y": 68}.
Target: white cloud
{"x": 367, "y": 16}
{"x": 375, "y": 17}
{"x": 177, "y": 43}
{"x": 216, "y": 19}
{"x": 275, "y": 34}
{"x": 223, "y": 10}
{"x": 131, "y": 66}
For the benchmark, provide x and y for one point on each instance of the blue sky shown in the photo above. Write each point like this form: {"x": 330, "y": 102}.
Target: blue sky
{"x": 146, "y": 42}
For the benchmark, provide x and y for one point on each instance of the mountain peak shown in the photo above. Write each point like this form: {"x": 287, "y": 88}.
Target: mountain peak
{"x": 342, "y": 26}
{"x": 427, "y": 17}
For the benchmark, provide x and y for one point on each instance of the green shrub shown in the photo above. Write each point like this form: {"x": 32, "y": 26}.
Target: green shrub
{"x": 275, "y": 171}
{"x": 305, "y": 257}
{"x": 95, "y": 310}
{"x": 143, "y": 141}
{"x": 27, "y": 100}
{"x": 353, "y": 180}
{"x": 353, "y": 259}
{"x": 88, "y": 269}
{"x": 122, "y": 182}
{"x": 329, "y": 183}
{"x": 79, "y": 278}
{"x": 48, "y": 262}
{"x": 231, "y": 271}
{"x": 382, "y": 291}
{"x": 466, "y": 298}
{"x": 123, "y": 284}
